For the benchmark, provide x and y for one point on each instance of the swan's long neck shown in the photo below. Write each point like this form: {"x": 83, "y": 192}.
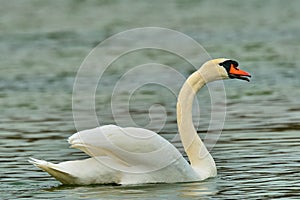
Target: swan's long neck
{"x": 196, "y": 151}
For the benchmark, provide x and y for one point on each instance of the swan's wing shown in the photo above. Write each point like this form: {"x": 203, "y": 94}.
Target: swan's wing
{"x": 133, "y": 150}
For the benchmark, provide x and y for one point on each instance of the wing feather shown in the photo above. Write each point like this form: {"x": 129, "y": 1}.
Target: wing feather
{"x": 126, "y": 149}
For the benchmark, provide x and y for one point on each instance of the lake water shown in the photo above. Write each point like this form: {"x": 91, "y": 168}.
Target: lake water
{"x": 44, "y": 43}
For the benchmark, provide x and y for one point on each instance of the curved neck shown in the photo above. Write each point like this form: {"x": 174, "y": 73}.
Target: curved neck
{"x": 193, "y": 145}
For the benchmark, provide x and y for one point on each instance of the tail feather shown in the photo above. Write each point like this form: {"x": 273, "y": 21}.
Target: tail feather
{"x": 54, "y": 170}
{"x": 37, "y": 162}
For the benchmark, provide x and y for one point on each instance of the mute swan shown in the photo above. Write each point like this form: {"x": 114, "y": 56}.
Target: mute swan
{"x": 135, "y": 155}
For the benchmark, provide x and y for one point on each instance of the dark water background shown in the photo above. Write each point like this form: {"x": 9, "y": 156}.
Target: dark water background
{"x": 42, "y": 44}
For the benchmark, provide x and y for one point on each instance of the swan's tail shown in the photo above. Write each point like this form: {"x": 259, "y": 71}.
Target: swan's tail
{"x": 54, "y": 170}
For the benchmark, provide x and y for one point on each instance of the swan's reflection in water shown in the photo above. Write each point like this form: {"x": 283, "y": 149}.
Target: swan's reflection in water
{"x": 192, "y": 190}
{"x": 198, "y": 189}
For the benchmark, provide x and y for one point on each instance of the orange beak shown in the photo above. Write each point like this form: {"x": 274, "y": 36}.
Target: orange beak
{"x": 235, "y": 72}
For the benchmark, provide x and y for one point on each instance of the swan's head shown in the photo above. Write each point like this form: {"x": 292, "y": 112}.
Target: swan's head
{"x": 226, "y": 68}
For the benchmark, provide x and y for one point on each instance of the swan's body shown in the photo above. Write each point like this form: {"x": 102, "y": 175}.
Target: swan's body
{"x": 136, "y": 155}
{"x": 117, "y": 157}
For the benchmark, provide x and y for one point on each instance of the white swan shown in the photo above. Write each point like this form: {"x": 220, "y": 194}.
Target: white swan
{"x": 136, "y": 155}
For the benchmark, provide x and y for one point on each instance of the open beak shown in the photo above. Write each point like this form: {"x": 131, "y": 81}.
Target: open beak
{"x": 237, "y": 73}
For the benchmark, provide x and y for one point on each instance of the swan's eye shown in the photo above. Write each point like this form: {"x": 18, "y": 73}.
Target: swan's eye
{"x": 227, "y": 64}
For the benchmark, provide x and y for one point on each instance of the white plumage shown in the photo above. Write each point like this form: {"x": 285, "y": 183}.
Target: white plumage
{"x": 135, "y": 155}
